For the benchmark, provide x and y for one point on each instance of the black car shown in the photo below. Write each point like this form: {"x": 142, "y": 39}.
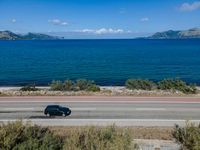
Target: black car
{"x": 56, "y": 110}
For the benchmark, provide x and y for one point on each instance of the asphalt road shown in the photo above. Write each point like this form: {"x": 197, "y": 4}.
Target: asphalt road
{"x": 123, "y": 111}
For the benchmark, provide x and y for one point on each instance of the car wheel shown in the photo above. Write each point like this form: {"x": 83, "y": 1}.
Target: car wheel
{"x": 48, "y": 115}
{"x": 69, "y": 113}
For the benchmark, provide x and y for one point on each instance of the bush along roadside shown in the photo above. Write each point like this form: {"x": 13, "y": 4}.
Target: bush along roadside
{"x": 176, "y": 84}
{"x": 79, "y": 85}
{"x": 166, "y": 84}
{"x": 139, "y": 84}
{"x": 188, "y": 137}
{"x": 19, "y": 136}
{"x": 29, "y": 88}
{"x": 132, "y": 84}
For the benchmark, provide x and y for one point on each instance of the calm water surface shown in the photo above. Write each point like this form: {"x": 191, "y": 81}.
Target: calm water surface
{"x": 108, "y": 62}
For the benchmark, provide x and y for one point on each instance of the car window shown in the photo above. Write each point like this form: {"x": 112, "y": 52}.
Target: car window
{"x": 53, "y": 107}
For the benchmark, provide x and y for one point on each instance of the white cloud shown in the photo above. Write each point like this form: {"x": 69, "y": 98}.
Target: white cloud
{"x": 58, "y": 22}
{"x": 102, "y": 31}
{"x": 87, "y": 31}
{"x": 110, "y": 30}
{"x": 190, "y": 7}
{"x": 145, "y": 19}
{"x": 13, "y": 20}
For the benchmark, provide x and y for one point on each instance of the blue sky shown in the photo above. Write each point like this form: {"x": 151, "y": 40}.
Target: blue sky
{"x": 98, "y": 18}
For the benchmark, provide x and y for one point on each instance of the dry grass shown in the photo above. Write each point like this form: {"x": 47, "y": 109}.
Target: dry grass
{"x": 160, "y": 133}
{"x": 2, "y": 94}
{"x": 95, "y": 138}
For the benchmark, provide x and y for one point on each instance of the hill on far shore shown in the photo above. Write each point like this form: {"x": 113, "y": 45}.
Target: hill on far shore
{"x": 171, "y": 34}
{"x": 8, "y": 35}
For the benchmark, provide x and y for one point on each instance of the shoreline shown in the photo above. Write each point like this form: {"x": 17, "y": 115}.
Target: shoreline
{"x": 105, "y": 91}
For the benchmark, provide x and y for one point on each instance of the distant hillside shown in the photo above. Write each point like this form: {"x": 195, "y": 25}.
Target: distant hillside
{"x": 8, "y": 35}
{"x": 186, "y": 34}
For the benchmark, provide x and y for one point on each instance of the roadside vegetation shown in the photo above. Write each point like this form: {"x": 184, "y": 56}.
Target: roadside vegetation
{"x": 139, "y": 84}
{"x": 78, "y": 85}
{"x": 16, "y": 136}
{"x": 2, "y": 94}
{"x": 24, "y": 136}
{"x": 166, "y": 84}
{"x": 96, "y": 138}
{"x": 19, "y": 136}
{"x": 29, "y": 88}
{"x": 164, "y": 87}
{"x": 188, "y": 137}
{"x": 176, "y": 84}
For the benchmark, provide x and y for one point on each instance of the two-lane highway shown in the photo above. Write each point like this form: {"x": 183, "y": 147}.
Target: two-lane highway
{"x": 123, "y": 111}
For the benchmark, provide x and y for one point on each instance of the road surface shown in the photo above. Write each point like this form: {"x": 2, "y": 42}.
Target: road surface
{"x": 123, "y": 111}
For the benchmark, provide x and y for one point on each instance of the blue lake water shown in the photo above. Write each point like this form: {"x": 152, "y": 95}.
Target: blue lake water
{"x": 108, "y": 62}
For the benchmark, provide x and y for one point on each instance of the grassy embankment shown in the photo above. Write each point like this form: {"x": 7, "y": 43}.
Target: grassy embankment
{"x": 21, "y": 136}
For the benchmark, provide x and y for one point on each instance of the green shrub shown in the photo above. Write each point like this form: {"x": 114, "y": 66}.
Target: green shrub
{"x": 82, "y": 84}
{"x": 68, "y": 85}
{"x": 176, "y": 84}
{"x": 94, "y": 138}
{"x": 88, "y": 85}
{"x": 139, "y": 84}
{"x": 93, "y": 88}
{"x": 56, "y": 85}
{"x": 16, "y": 136}
{"x": 188, "y": 137}
{"x": 29, "y": 88}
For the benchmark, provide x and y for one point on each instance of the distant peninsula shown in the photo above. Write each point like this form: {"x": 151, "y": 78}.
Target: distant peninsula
{"x": 171, "y": 34}
{"x": 8, "y": 35}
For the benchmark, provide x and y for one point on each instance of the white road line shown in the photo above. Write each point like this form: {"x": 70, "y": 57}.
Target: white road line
{"x": 83, "y": 108}
{"x": 18, "y": 109}
{"x": 150, "y": 109}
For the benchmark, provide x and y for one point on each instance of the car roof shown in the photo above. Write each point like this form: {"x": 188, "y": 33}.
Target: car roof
{"x": 53, "y": 106}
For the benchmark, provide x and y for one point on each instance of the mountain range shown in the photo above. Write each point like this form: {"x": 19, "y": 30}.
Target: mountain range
{"x": 8, "y": 35}
{"x": 170, "y": 34}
